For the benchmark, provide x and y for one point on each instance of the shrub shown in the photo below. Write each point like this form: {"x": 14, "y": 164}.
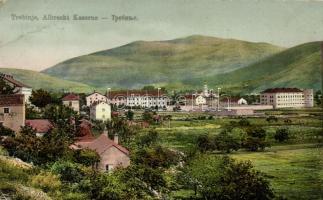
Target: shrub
{"x": 87, "y": 157}
{"x": 223, "y": 178}
{"x": 226, "y": 142}
{"x": 68, "y": 171}
{"x": 281, "y": 134}
{"x": 46, "y": 181}
{"x": 272, "y": 119}
{"x": 244, "y": 122}
{"x": 255, "y": 139}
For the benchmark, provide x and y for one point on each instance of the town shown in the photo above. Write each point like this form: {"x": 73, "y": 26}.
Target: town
{"x": 102, "y": 126}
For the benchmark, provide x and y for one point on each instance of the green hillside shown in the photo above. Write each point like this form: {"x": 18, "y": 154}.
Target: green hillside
{"x": 161, "y": 62}
{"x": 295, "y": 67}
{"x": 39, "y": 80}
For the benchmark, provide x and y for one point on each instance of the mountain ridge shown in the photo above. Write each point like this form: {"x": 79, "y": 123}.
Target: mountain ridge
{"x": 157, "y": 62}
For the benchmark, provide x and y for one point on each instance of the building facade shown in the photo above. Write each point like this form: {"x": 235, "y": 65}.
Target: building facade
{"x": 12, "y": 111}
{"x": 100, "y": 111}
{"x": 139, "y": 98}
{"x": 20, "y": 88}
{"x": 287, "y": 97}
{"x": 95, "y": 97}
{"x": 112, "y": 155}
{"x": 72, "y": 101}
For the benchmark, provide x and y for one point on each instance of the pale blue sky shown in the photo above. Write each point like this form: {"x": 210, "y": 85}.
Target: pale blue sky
{"x": 41, "y": 44}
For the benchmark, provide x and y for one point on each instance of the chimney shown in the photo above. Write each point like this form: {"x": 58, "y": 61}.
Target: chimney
{"x": 116, "y": 138}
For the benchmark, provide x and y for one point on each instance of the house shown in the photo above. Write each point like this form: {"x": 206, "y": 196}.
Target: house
{"x": 111, "y": 154}
{"x": 195, "y": 100}
{"x": 41, "y": 126}
{"x": 20, "y": 88}
{"x": 287, "y": 97}
{"x": 100, "y": 111}
{"x": 139, "y": 98}
{"x": 73, "y": 101}
{"x": 95, "y": 97}
{"x": 233, "y": 101}
{"x": 12, "y": 111}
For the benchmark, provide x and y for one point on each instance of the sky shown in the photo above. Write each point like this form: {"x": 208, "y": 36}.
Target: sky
{"x": 39, "y": 44}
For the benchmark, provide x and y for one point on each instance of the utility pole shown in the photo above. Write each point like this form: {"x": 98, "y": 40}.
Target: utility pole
{"x": 219, "y": 99}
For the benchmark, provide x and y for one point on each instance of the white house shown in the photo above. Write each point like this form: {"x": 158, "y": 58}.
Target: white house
{"x": 100, "y": 111}
{"x": 242, "y": 101}
{"x": 20, "y": 88}
{"x": 95, "y": 97}
{"x": 72, "y": 101}
{"x": 287, "y": 97}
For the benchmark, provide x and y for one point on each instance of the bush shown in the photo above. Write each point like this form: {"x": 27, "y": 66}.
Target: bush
{"x": 68, "y": 171}
{"x": 272, "y": 119}
{"x": 255, "y": 139}
{"x": 87, "y": 157}
{"x": 223, "y": 178}
{"x": 244, "y": 122}
{"x": 226, "y": 142}
{"x": 282, "y": 135}
{"x": 205, "y": 143}
{"x": 6, "y": 131}
{"x": 46, "y": 181}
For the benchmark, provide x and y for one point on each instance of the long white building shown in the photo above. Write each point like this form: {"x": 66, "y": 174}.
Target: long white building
{"x": 140, "y": 98}
{"x": 287, "y": 97}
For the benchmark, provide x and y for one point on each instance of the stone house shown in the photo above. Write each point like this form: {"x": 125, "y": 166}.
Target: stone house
{"x": 111, "y": 154}
{"x": 95, "y": 97}
{"x": 72, "y": 101}
{"x": 41, "y": 126}
{"x": 12, "y": 111}
{"x": 20, "y": 88}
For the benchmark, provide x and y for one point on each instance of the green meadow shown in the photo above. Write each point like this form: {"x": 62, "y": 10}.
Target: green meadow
{"x": 294, "y": 168}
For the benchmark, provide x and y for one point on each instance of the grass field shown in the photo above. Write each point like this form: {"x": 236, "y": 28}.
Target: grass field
{"x": 294, "y": 171}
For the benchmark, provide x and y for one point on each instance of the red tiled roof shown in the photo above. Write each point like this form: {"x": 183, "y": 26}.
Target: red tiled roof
{"x": 12, "y": 100}
{"x": 101, "y": 144}
{"x": 71, "y": 97}
{"x": 281, "y": 90}
{"x": 10, "y": 79}
{"x": 41, "y": 125}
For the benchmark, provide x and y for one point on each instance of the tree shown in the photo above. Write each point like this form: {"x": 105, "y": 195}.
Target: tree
{"x": 255, "y": 139}
{"x": 226, "y": 142}
{"x": 102, "y": 186}
{"x": 205, "y": 143}
{"x": 5, "y": 88}
{"x": 130, "y": 114}
{"x": 222, "y": 178}
{"x": 40, "y": 98}
{"x": 148, "y": 139}
{"x": 318, "y": 97}
{"x": 87, "y": 157}
{"x": 68, "y": 171}
{"x": 272, "y": 119}
{"x": 282, "y": 135}
{"x": 6, "y": 131}
{"x": 244, "y": 122}
{"x": 119, "y": 126}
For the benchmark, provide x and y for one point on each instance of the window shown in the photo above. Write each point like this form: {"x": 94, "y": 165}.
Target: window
{"x": 70, "y": 103}
{"x": 103, "y": 109}
{"x": 6, "y": 110}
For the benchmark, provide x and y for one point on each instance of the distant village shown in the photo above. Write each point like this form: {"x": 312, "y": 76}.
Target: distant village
{"x": 101, "y": 107}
